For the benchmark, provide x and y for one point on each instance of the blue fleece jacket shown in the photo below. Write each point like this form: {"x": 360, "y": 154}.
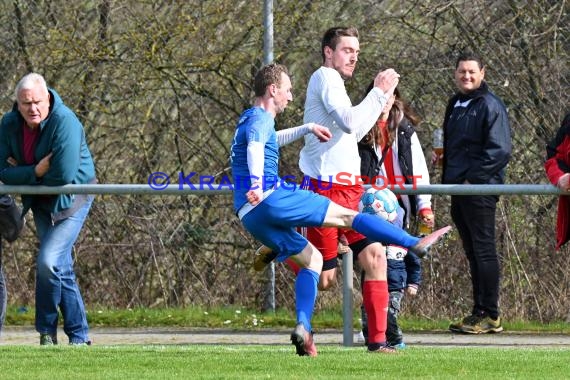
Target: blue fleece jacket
{"x": 62, "y": 134}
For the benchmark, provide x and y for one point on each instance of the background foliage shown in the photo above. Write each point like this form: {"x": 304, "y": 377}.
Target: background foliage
{"x": 159, "y": 86}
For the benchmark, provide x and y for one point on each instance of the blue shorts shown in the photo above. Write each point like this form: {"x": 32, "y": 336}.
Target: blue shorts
{"x": 273, "y": 222}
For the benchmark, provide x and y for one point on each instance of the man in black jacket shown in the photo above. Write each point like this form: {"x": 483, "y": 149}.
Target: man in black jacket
{"x": 477, "y": 149}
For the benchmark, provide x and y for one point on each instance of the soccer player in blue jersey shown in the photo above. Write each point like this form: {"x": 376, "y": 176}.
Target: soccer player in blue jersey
{"x": 271, "y": 209}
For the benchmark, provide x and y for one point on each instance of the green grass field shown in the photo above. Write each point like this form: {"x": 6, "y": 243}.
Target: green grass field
{"x": 273, "y": 361}
{"x": 238, "y": 318}
{"x": 278, "y": 362}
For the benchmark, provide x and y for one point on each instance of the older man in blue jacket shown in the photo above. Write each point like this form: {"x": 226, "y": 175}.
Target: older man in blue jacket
{"x": 42, "y": 142}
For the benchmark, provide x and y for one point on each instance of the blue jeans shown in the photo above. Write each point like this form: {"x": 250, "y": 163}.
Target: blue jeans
{"x": 56, "y": 285}
{"x": 3, "y": 296}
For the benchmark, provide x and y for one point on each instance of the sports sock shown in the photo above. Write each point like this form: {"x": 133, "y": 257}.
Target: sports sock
{"x": 295, "y": 268}
{"x": 375, "y": 298}
{"x": 305, "y": 296}
{"x": 380, "y": 230}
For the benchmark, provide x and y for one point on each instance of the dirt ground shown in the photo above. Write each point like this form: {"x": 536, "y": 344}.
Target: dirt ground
{"x": 165, "y": 336}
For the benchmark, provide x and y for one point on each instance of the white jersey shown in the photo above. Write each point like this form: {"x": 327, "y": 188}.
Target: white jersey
{"x": 328, "y": 104}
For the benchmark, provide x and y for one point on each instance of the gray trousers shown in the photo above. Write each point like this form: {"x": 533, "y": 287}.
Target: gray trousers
{"x": 394, "y": 333}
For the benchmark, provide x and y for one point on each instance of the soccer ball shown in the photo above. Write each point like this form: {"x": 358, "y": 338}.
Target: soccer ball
{"x": 382, "y": 203}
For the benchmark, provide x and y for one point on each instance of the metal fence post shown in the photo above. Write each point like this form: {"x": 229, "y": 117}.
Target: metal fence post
{"x": 269, "y": 304}
{"x": 347, "y": 301}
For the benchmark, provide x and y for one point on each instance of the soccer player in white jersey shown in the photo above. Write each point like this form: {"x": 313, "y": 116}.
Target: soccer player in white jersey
{"x": 271, "y": 209}
{"x": 337, "y": 162}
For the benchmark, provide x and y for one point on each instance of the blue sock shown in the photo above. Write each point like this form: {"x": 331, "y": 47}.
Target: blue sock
{"x": 382, "y": 231}
{"x": 305, "y": 296}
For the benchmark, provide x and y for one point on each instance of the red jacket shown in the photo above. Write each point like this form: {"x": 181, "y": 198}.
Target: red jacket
{"x": 558, "y": 163}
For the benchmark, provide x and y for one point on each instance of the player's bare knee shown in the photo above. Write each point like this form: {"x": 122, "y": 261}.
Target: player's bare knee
{"x": 324, "y": 285}
{"x": 327, "y": 279}
{"x": 373, "y": 259}
{"x": 338, "y": 216}
{"x": 312, "y": 258}
{"x": 316, "y": 263}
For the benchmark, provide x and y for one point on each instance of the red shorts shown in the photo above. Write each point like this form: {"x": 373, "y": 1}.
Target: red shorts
{"x": 325, "y": 239}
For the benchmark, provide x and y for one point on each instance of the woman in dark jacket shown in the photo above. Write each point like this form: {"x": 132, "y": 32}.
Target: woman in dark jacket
{"x": 391, "y": 153}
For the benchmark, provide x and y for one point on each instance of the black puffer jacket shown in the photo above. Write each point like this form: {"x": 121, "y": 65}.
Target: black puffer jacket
{"x": 477, "y": 138}
{"x": 369, "y": 159}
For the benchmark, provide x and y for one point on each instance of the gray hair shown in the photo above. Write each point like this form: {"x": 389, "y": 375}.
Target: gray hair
{"x": 30, "y": 81}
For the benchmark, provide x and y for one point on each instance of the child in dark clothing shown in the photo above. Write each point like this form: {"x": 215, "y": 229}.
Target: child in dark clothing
{"x": 404, "y": 277}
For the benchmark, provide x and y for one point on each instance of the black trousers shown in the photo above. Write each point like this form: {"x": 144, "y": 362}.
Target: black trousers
{"x": 474, "y": 217}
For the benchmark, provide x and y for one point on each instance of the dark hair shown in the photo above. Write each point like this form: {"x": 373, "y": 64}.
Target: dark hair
{"x": 469, "y": 56}
{"x": 266, "y": 76}
{"x": 333, "y": 35}
{"x": 400, "y": 109}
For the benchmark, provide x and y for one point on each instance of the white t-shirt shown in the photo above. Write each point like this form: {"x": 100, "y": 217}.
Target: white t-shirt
{"x": 328, "y": 104}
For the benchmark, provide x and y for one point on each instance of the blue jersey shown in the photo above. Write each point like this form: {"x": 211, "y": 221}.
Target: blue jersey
{"x": 255, "y": 124}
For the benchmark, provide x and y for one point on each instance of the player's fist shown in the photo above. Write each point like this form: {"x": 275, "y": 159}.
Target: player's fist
{"x": 387, "y": 81}
{"x": 321, "y": 132}
{"x": 255, "y": 193}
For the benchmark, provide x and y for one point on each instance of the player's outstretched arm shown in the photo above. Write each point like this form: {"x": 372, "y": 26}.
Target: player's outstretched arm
{"x": 287, "y": 136}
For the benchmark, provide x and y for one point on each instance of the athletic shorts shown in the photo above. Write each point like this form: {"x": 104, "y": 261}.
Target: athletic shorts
{"x": 274, "y": 221}
{"x": 326, "y": 239}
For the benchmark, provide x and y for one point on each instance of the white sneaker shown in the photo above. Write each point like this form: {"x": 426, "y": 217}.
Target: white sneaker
{"x": 359, "y": 338}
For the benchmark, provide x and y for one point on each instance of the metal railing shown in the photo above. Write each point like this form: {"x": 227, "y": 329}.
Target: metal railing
{"x": 347, "y": 263}
{"x": 210, "y": 189}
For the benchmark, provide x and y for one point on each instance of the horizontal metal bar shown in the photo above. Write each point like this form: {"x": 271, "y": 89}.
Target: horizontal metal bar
{"x": 518, "y": 189}
{"x": 224, "y": 189}
{"x": 116, "y": 189}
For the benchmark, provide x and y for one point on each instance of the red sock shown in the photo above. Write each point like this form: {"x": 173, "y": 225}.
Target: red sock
{"x": 293, "y": 266}
{"x": 375, "y": 298}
